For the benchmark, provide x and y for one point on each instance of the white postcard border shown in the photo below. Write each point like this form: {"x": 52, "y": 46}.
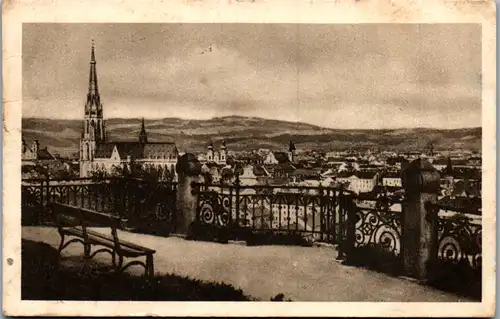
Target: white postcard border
{"x": 335, "y": 11}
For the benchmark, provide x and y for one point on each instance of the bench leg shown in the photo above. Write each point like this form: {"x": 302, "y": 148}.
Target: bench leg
{"x": 150, "y": 271}
{"x": 86, "y": 251}
{"x": 118, "y": 267}
{"x": 113, "y": 258}
{"x": 61, "y": 245}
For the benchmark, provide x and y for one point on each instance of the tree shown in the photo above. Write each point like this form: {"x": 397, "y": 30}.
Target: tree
{"x": 99, "y": 173}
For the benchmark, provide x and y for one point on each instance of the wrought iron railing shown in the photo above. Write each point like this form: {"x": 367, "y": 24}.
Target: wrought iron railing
{"x": 460, "y": 240}
{"x": 459, "y": 254}
{"x": 134, "y": 200}
{"x": 374, "y": 235}
{"x": 375, "y": 240}
{"x": 379, "y": 227}
{"x": 314, "y": 213}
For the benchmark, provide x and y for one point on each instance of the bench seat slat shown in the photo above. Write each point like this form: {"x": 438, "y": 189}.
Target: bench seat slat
{"x": 88, "y": 215}
{"x": 128, "y": 249}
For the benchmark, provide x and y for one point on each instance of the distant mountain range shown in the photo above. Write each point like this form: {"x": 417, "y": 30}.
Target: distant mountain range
{"x": 247, "y": 133}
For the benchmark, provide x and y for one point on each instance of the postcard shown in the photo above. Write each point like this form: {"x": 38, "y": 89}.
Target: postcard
{"x": 249, "y": 158}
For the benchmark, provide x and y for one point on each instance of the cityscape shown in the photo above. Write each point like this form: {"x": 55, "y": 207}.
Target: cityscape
{"x": 368, "y": 172}
{"x": 255, "y": 175}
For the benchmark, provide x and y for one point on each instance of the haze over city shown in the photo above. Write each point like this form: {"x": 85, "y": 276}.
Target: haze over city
{"x": 334, "y": 76}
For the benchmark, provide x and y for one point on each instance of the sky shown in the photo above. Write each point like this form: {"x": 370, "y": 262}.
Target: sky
{"x": 337, "y": 76}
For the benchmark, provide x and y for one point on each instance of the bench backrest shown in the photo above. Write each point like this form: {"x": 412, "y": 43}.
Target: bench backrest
{"x": 83, "y": 216}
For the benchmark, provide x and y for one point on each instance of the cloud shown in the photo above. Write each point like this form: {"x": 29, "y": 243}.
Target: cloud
{"x": 331, "y": 75}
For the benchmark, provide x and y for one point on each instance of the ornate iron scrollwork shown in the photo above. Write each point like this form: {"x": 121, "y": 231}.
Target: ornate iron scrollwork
{"x": 460, "y": 240}
{"x": 381, "y": 228}
{"x": 284, "y": 210}
{"x": 214, "y": 209}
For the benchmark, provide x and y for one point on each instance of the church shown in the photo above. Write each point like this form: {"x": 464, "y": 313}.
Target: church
{"x": 99, "y": 154}
{"x": 214, "y": 157}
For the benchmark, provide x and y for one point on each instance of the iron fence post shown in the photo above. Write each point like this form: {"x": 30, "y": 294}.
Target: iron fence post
{"x": 322, "y": 210}
{"x": 47, "y": 198}
{"x": 196, "y": 188}
{"x": 41, "y": 208}
{"x": 237, "y": 190}
{"x": 351, "y": 227}
{"x": 231, "y": 207}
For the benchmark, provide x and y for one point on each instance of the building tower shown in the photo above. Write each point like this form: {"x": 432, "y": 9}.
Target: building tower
{"x": 93, "y": 131}
{"x": 448, "y": 173}
{"x": 449, "y": 168}
{"x": 223, "y": 153}
{"x": 35, "y": 148}
{"x": 291, "y": 151}
{"x": 143, "y": 136}
{"x": 210, "y": 152}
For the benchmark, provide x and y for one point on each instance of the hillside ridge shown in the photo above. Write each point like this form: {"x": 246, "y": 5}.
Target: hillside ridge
{"x": 246, "y": 133}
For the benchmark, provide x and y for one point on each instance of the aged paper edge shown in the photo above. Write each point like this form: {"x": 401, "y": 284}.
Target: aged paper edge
{"x": 280, "y": 11}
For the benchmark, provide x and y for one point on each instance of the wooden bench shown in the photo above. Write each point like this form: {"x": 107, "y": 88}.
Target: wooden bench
{"x": 74, "y": 221}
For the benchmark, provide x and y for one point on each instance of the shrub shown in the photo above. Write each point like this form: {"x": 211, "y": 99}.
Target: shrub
{"x": 277, "y": 238}
{"x": 43, "y": 279}
{"x": 459, "y": 278}
{"x": 376, "y": 257}
{"x": 207, "y": 232}
{"x": 280, "y": 297}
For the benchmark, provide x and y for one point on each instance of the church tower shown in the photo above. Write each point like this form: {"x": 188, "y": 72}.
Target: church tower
{"x": 143, "y": 136}
{"x": 223, "y": 153}
{"x": 291, "y": 151}
{"x": 93, "y": 131}
{"x": 210, "y": 152}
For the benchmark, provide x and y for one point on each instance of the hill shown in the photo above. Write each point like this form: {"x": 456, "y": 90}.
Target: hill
{"x": 247, "y": 133}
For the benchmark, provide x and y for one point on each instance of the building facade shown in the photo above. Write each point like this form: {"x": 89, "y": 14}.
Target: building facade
{"x": 275, "y": 158}
{"x": 218, "y": 157}
{"x": 359, "y": 182}
{"x": 392, "y": 179}
{"x": 34, "y": 153}
{"x": 99, "y": 154}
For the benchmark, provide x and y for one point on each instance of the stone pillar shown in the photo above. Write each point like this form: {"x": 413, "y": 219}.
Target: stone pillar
{"x": 419, "y": 238}
{"x": 188, "y": 170}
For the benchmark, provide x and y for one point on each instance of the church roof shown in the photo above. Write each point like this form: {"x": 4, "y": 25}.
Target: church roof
{"x": 281, "y": 157}
{"x": 159, "y": 149}
{"x": 260, "y": 171}
{"x": 104, "y": 150}
{"x": 44, "y": 154}
{"x": 137, "y": 150}
{"x": 133, "y": 149}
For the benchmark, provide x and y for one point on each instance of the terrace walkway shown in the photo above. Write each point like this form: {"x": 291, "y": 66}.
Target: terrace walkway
{"x": 300, "y": 273}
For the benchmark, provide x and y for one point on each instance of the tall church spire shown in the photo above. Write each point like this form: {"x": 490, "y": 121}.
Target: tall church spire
{"x": 291, "y": 151}
{"x": 143, "y": 136}
{"x": 93, "y": 131}
{"x": 92, "y": 54}
{"x": 449, "y": 167}
{"x": 93, "y": 105}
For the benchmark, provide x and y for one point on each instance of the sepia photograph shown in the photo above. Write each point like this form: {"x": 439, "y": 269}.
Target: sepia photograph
{"x": 253, "y": 162}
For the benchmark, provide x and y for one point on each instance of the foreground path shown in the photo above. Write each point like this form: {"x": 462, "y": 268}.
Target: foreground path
{"x": 300, "y": 273}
